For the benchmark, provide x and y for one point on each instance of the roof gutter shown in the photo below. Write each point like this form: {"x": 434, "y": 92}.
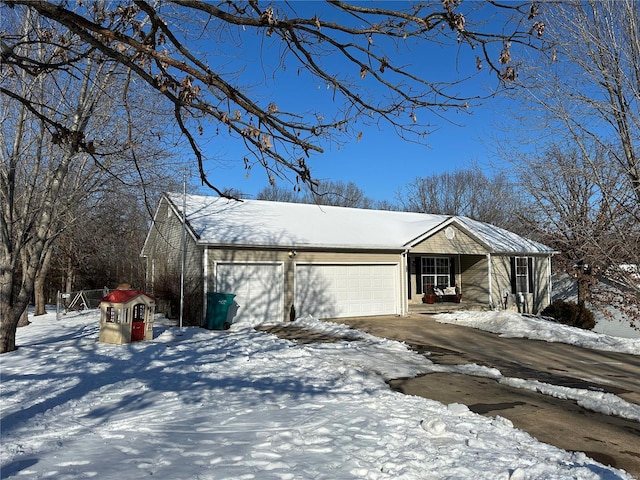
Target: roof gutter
{"x": 305, "y": 246}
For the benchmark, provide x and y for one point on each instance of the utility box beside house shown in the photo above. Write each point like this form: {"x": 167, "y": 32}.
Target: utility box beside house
{"x": 126, "y": 316}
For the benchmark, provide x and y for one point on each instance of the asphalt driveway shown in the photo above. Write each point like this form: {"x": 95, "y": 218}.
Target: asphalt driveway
{"x": 609, "y": 440}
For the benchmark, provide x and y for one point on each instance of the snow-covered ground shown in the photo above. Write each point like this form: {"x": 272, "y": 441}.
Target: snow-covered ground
{"x": 512, "y": 324}
{"x": 199, "y": 404}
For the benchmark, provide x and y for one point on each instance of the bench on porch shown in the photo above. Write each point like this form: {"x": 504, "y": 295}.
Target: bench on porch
{"x": 448, "y": 294}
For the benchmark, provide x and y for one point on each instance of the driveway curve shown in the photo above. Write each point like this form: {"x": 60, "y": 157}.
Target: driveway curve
{"x": 610, "y": 440}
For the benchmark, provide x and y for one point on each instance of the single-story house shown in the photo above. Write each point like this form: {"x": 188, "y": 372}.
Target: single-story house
{"x": 333, "y": 262}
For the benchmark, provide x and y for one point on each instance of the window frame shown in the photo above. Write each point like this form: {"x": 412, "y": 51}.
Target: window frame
{"x": 111, "y": 315}
{"x": 139, "y": 310}
{"x": 522, "y": 274}
{"x": 437, "y": 273}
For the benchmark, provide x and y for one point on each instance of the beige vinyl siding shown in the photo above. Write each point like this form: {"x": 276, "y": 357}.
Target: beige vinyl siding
{"x": 542, "y": 281}
{"x": 535, "y": 301}
{"x": 500, "y": 278}
{"x": 262, "y": 255}
{"x": 475, "y": 281}
{"x": 164, "y": 247}
{"x": 163, "y": 244}
{"x": 252, "y": 255}
{"x": 164, "y": 257}
{"x": 461, "y": 243}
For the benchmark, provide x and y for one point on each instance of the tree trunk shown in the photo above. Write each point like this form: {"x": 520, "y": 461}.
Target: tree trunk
{"x": 7, "y": 325}
{"x": 11, "y": 309}
{"x": 69, "y": 276}
{"x": 24, "y": 318}
{"x": 7, "y": 333}
{"x": 38, "y": 290}
{"x": 585, "y": 281}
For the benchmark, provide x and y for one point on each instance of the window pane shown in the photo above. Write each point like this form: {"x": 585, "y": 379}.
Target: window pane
{"x": 522, "y": 274}
{"x": 522, "y": 284}
{"x": 436, "y": 272}
{"x": 138, "y": 313}
{"x": 112, "y": 316}
{"x": 428, "y": 280}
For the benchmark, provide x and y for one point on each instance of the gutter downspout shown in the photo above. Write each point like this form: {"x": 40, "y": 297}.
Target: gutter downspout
{"x": 459, "y": 275}
{"x": 205, "y": 277}
{"x": 183, "y": 243}
{"x": 490, "y": 285}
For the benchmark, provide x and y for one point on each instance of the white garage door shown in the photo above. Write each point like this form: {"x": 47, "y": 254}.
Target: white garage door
{"x": 258, "y": 288}
{"x": 334, "y": 291}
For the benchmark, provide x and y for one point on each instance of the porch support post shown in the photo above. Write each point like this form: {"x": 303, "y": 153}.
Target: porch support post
{"x": 404, "y": 286}
{"x": 490, "y": 285}
{"x": 549, "y": 281}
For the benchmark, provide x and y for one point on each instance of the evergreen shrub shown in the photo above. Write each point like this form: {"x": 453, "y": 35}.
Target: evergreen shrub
{"x": 570, "y": 313}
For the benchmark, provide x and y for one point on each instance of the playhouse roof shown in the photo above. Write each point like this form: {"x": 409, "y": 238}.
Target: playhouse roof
{"x": 124, "y": 296}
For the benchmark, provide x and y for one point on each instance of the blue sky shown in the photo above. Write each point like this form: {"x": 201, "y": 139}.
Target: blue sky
{"x": 381, "y": 162}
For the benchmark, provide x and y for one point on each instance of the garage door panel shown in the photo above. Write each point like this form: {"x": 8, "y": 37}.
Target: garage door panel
{"x": 258, "y": 288}
{"x": 333, "y": 291}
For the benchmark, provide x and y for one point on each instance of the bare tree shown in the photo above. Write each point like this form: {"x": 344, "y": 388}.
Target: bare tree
{"x": 278, "y": 193}
{"x": 326, "y": 192}
{"x": 600, "y": 41}
{"x": 571, "y": 210}
{"x": 49, "y": 169}
{"x": 102, "y": 247}
{"x": 338, "y": 193}
{"x": 467, "y": 192}
{"x": 360, "y": 58}
{"x": 387, "y": 205}
{"x": 586, "y": 96}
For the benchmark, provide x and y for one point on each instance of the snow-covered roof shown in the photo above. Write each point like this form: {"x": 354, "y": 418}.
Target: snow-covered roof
{"x": 259, "y": 223}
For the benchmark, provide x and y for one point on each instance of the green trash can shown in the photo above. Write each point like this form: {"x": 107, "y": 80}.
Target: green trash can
{"x": 217, "y": 310}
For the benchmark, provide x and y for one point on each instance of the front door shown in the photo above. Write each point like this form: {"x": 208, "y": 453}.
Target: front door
{"x": 137, "y": 331}
{"x": 137, "y": 325}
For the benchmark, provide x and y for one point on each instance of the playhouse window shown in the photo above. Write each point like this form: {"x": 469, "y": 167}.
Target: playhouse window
{"x": 112, "y": 315}
{"x": 138, "y": 313}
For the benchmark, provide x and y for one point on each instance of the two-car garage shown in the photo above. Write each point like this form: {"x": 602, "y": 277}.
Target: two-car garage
{"x": 324, "y": 290}
{"x": 346, "y": 290}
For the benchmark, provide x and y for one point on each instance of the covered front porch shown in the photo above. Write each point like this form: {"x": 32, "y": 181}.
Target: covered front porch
{"x": 464, "y": 275}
